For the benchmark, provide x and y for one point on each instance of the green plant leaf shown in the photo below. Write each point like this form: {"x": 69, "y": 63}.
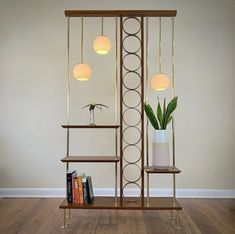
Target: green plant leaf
{"x": 159, "y": 115}
{"x": 150, "y": 114}
{"x": 169, "y": 120}
{"x": 164, "y": 106}
{"x": 170, "y": 109}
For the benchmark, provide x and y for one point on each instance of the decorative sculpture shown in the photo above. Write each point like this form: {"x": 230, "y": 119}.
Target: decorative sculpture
{"x": 92, "y": 107}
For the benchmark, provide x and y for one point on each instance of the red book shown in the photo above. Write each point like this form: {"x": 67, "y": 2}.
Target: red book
{"x": 80, "y": 190}
{"x": 76, "y": 191}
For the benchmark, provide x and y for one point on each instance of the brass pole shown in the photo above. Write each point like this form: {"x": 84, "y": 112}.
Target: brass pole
{"x": 116, "y": 84}
{"x": 115, "y": 183}
{"x": 68, "y": 86}
{"x": 121, "y": 110}
{"x": 116, "y": 106}
{"x": 146, "y": 89}
{"x": 147, "y": 189}
{"x": 173, "y": 94}
{"x": 64, "y": 220}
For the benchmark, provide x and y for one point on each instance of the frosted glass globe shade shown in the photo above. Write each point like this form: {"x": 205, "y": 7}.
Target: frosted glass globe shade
{"x": 82, "y": 72}
{"x": 160, "y": 82}
{"x": 102, "y": 45}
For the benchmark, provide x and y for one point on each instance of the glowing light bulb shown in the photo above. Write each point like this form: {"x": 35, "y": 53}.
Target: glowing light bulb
{"x": 160, "y": 82}
{"x": 82, "y": 72}
{"x": 102, "y": 45}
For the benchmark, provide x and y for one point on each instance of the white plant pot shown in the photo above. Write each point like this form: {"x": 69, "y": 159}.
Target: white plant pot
{"x": 161, "y": 153}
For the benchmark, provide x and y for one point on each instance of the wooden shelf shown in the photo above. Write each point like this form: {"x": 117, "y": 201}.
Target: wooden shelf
{"x": 169, "y": 170}
{"x": 123, "y": 13}
{"x": 90, "y": 126}
{"x": 129, "y": 203}
{"x": 95, "y": 159}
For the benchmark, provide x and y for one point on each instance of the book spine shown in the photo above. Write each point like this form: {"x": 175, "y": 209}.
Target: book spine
{"x": 80, "y": 190}
{"x": 84, "y": 187}
{"x": 88, "y": 192}
{"x": 76, "y": 191}
{"x": 73, "y": 188}
{"x": 90, "y": 186}
{"x": 69, "y": 188}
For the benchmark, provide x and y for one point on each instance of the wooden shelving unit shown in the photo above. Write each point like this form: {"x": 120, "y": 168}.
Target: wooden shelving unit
{"x": 95, "y": 159}
{"x": 122, "y": 202}
{"x": 169, "y": 170}
{"x": 90, "y": 126}
{"x": 129, "y": 203}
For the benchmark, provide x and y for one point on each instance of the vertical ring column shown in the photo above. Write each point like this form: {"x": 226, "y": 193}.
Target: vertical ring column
{"x": 132, "y": 106}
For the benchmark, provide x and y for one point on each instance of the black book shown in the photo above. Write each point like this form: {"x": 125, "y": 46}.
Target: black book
{"x": 69, "y": 178}
{"x": 90, "y": 194}
{"x": 84, "y": 189}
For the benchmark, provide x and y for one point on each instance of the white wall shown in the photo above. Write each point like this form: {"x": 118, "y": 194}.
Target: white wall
{"x": 33, "y": 93}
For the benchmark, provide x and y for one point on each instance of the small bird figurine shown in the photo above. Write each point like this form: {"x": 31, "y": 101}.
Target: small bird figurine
{"x": 92, "y": 107}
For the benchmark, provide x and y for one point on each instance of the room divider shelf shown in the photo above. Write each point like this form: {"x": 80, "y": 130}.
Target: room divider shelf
{"x": 130, "y": 133}
{"x": 90, "y": 126}
{"x": 169, "y": 170}
{"x": 129, "y": 203}
{"x": 95, "y": 159}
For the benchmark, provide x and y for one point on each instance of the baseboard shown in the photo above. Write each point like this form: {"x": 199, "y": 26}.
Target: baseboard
{"x": 60, "y": 192}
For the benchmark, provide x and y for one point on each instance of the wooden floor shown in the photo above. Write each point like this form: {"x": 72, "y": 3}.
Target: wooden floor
{"x": 29, "y": 216}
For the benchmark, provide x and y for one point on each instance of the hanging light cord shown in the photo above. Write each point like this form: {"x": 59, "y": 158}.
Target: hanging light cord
{"x": 102, "y": 26}
{"x": 160, "y": 45}
{"x": 147, "y": 62}
{"x": 81, "y": 39}
{"x": 173, "y": 56}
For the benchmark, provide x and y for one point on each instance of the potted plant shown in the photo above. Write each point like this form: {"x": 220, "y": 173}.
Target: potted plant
{"x": 159, "y": 121}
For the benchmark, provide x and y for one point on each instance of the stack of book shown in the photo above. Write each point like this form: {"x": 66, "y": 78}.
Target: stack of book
{"x": 79, "y": 188}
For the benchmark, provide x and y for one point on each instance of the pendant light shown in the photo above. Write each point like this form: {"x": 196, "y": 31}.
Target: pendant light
{"x": 82, "y": 71}
{"x": 102, "y": 44}
{"x": 160, "y": 81}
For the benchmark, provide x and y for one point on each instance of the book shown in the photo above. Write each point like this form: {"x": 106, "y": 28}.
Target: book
{"x": 73, "y": 186}
{"x": 69, "y": 178}
{"x": 80, "y": 190}
{"x": 84, "y": 188}
{"x": 76, "y": 191}
{"x": 90, "y": 193}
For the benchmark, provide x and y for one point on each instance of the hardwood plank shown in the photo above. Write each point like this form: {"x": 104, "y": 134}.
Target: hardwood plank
{"x": 226, "y": 209}
{"x": 53, "y": 222}
{"x": 43, "y": 212}
{"x": 20, "y": 212}
{"x": 153, "y": 222}
{"x": 105, "y": 223}
{"x": 187, "y": 223}
{"x": 222, "y": 223}
{"x": 196, "y": 209}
